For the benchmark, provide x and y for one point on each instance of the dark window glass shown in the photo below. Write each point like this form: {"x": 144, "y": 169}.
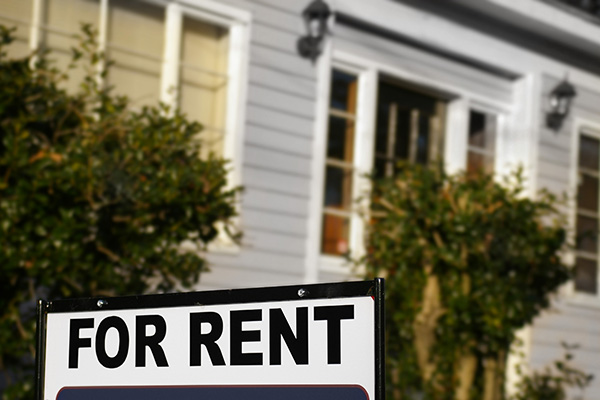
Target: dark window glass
{"x": 587, "y": 195}
{"x": 481, "y": 142}
{"x": 423, "y": 140}
{"x": 338, "y": 187}
{"x": 343, "y": 91}
{"x": 341, "y": 137}
{"x": 477, "y": 129}
{"x": 586, "y": 275}
{"x": 588, "y": 152}
{"x": 402, "y": 142}
{"x": 587, "y": 234}
{"x": 404, "y": 127}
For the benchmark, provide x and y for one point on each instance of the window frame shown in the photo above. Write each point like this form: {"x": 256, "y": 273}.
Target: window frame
{"x": 581, "y": 127}
{"x": 454, "y": 152}
{"x": 364, "y": 122}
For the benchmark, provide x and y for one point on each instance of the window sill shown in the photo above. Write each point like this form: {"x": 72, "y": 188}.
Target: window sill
{"x": 583, "y": 300}
{"x": 223, "y": 244}
{"x": 339, "y": 265}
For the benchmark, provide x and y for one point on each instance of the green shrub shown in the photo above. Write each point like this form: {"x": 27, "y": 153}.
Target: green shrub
{"x": 552, "y": 382}
{"x": 95, "y": 199}
{"x": 467, "y": 262}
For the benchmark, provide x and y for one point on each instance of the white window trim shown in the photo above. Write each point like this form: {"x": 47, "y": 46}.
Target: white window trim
{"x": 368, "y": 72}
{"x": 592, "y": 129}
{"x": 238, "y": 23}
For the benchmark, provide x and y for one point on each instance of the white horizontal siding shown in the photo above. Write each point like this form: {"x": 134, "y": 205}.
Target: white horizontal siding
{"x": 566, "y": 322}
{"x": 274, "y": 37}
{"x": 274, "y": 243}
{"x": 259, "y": 261}
{"x": 574, "y": 325}
{"x": 274, "y": 139}
{"x": 276, "y": 153}
{"x": 277, "y": 100}
{"x": 274, "y": 223}
{"x": 278, "y": 120}
{"x": 284, "y": 60}
{"x": 424, "y": 64}
{"x": 298, "y": 166}
{"x": 269, "y": 77}
{"x": 223, "y": 275}
{"x": 275, "y": 181}
{"x": 260, "y": 199}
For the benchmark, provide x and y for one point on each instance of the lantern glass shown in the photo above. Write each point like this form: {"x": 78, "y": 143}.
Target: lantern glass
{"x": 554, "y": 100}
{"x": 313, "y": 26}
{"x": 563, "y": 105}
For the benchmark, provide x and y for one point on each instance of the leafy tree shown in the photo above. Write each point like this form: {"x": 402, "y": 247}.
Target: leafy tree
{"x": 467, "y": 262}
{"x": 95, "y": 199}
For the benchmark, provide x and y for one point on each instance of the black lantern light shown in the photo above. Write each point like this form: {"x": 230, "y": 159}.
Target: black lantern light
{"x": 315, "y": 16}
{"x": 560, "y": 104}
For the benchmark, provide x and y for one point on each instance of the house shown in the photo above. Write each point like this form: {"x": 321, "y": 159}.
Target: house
{"x": 471, "y": 81}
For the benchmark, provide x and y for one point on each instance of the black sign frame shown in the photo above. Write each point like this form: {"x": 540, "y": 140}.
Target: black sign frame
{"x": 374, "y": 288}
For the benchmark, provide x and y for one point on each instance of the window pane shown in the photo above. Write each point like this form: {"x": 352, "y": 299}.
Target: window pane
{"x": 404, "y": 127}
{"x": 203, "y": 80}
{"x": 335, "y": 235}
{"x": 138, "y": 52}
{"x": 481, "y": 142}
{"x": 340, "y": 143}
{"x": 343, "y": 91}
{"x": 402, "y": 134}
{"x": 587, "y": 234}
{"x": 422, "y": 156}
{"x": 587, "y": 195}
{"x": 380, "y": 167}
{"x": 391, "y": 92}
{"x": 477, "y": 162}
{"x": 64, "y": 23}
{"x": 586, "y": 275}
{"x": 588, "y": 152}
{"x": 393, "y": 129}
{"x": 338, "y": 188}
{"x": 19, "y": 14}
{"x": 477, "y": 132}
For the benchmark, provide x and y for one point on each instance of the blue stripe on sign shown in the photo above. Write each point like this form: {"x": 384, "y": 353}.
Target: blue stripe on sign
{"x": 214, "y": 392}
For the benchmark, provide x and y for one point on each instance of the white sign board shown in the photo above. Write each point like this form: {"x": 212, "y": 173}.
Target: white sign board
{"x": 317, "y": 341}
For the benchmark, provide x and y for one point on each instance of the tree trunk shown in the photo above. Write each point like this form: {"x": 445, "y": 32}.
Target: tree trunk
{"x": 493, "y": 376}
{"x": 425, "y": 324}
{"x": 465, "y": 373}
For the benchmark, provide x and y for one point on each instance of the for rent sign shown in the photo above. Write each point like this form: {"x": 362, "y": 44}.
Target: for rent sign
{"x": 314, "y": 341}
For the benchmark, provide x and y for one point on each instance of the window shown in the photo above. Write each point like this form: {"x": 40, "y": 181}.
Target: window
{"x": 178, "y": 54}
{"x": 481, "y": 142}
{"x": 339, "y": 164}
{"x": 408, "y": 126}
{"x": 587, "y": 215}
{"x": 137, "y": 53}
{"x": 59, "y": 26}
{"x": 17, "y": 13}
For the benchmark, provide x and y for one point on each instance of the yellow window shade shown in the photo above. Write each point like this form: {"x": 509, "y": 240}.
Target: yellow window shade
{"x": 203, "y": 80}
{"x": 135, "y": 45}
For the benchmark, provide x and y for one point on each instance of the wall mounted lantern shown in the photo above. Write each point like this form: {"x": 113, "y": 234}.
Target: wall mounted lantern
{"x": 315, "y": 17}
{"x": 560, "y": 104}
